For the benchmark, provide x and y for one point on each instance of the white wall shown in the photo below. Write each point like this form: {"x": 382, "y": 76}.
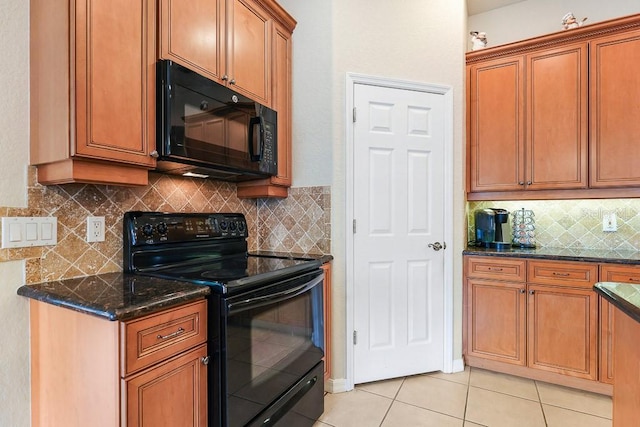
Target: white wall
{"x": 312, "y": 107}
{"x": 532, "y": 18}
{"x": 14, "y": 146}
{"x": 414, "y": 40}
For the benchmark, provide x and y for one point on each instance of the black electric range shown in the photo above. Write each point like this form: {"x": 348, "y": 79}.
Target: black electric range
{"x": 265, "y": 318}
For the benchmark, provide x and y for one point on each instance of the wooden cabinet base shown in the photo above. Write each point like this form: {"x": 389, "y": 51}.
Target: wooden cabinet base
{"x": 79, "y": 170}
{"x": 259, "y": 191}
{"x": 538, "y": 375}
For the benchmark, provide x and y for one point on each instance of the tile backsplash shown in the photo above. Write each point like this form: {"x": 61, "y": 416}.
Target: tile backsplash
{"x": 300, "y": 223}
{"x": 575, "y": 223}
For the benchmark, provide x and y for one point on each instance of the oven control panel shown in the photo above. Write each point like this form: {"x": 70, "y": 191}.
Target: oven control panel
{"x": 145, "y": 228}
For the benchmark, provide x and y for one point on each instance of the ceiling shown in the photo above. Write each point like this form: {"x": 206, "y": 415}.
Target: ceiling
{"x": 479, "y": 6}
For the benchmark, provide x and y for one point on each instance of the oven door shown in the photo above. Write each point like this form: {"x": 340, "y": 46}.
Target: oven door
{"x": 274, "y": 339}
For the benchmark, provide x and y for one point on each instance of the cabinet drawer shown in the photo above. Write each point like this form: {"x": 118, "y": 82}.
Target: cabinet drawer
{"x": 619, "y": 273}
{"x": 562, "y": 273}
{"x": 496, "y": 268}
{"x": 155, "y": 337}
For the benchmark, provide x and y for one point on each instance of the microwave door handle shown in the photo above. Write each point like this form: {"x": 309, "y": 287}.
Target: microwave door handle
{"x": 253, "y": 122}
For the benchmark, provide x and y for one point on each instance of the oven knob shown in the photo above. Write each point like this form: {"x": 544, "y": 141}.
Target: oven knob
{"x": 147, "y": 230}
{"x": 223, "y": 225}
{"x": 241, "y": 226}
{"x": 162, "y": 228}
{"x": 233, "y": 226}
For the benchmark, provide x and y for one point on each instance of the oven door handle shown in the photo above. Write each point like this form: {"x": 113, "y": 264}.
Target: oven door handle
{"x": 246, "y": 304}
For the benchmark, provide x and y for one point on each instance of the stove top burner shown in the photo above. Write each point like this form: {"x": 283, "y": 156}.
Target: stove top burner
{"x": 203, "y": 249}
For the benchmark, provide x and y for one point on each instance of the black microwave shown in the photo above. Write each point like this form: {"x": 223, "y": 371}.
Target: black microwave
{"x": 205, "y": 129}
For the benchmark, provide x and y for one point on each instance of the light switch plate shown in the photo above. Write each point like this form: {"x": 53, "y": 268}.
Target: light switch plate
{"x": 22, "y": 231}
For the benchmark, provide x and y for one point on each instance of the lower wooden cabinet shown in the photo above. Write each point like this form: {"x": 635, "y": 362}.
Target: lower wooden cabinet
{"x": 496, "y": 327}
{"x": 562, "y": 330}
{"x": 81, "y": 377}
{"x": 611, "y": 273}
{"x": 542, "y": 324}
{"x": 171, "y": 394}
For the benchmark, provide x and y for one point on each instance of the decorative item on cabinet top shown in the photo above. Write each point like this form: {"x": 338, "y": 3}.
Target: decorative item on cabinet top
{"x": 569, "y": 21}
{"x": 478, "y": 40}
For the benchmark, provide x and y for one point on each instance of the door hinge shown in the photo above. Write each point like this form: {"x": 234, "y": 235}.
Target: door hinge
{"x": 354, "y": 114}
{"x": 354, "y": 226}
{"x": 355, "y": 337}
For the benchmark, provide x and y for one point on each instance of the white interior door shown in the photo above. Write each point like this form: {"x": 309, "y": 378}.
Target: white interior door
{"x": 398, "y": 242}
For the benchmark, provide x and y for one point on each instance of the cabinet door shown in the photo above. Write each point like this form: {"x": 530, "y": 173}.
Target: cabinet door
{"x": 115, "y": 80}
{"x": 171, "y": 394}
{"x": 496, "y": 320}
{"x": 562, "y": 330}
{"x": 281, "y": 102}
{"x": 496, "y": 125}
{"x": 277, "y": 186}
{"x": 557, "y": 118}
{"x": 614, "y": 113}
{"x": 249, "y": 49}
{"x": 611, "y": 273}
{"x": 192, "y": 34}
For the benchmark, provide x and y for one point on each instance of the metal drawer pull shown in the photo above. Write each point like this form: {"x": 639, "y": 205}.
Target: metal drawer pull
{"x": 495, "y": 269}
{"x": 555, "y": 273}
{"x": 172, "y": 335}
{"x": 634, "y": 279}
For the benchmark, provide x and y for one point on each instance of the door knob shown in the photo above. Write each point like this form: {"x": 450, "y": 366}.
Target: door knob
{"x": 437, "y": 246}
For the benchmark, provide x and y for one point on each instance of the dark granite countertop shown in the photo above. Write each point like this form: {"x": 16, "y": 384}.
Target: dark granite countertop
{"x": 560, "y": 254}
{"x": 294, "y": 255}
{"x": 625, "y": 296}
{"x": 115, "y": 296}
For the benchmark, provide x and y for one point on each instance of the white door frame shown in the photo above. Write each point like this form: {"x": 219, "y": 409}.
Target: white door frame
{"x": 351, "y": 80}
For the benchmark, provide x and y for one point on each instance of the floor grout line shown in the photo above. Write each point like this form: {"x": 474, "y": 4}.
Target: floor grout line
{"x": 468, "y": 385}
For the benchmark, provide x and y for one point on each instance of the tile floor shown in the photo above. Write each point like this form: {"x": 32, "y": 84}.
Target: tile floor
{"x": 474, "y": 397}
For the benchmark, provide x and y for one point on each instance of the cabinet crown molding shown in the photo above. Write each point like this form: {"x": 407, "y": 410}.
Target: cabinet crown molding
{"x": 563, "y": 37}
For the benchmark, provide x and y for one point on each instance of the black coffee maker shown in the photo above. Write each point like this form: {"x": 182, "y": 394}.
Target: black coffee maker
{"x": 492, "y": 228}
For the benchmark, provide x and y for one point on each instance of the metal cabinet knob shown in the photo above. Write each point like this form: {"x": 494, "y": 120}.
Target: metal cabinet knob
{"x": 232, "y": 81}
{"x": 154, "y": 154}
{"x": 225, "y": 78}
{"x": 204, "y": 360}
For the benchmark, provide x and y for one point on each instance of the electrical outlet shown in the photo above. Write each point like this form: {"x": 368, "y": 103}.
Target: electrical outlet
{"x": 95, "y": 229}
{"x": 609, "y": 222}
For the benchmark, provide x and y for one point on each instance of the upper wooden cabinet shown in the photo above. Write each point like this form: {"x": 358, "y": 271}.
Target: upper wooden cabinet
{"x": 193, "y": 35}
{"x": 528, "y": 121}
{"x": 554, "y": 117}
{"x": 277, "y": 186}
{"x": 614, "y": 111}
{"x": 226, "y": 41}
{"x": 92, "y": 94}
{"x": 245, "y": 44}
{"x": 496, "y": 124}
